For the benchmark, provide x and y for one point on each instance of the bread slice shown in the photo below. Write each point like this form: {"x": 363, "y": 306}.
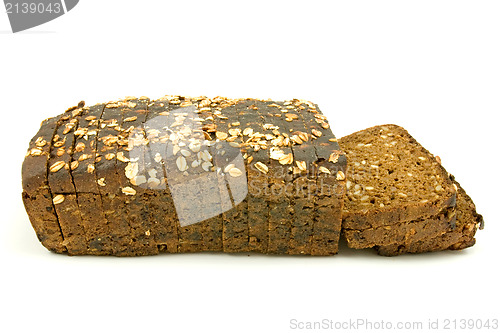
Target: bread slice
{"x": 457, "y": 237}
{"x": 37, "y": 197}
{"x": 391, "y": 179}
{"x": 403, "y": 233}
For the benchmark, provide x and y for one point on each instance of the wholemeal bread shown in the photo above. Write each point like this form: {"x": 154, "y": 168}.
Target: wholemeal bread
{"x": 457, "y": 237}
{"x": 37, "y": 197}
{"x": 330, "y": 183}
{"x": 62, "y": 186}
{"x": 179, "y": 174}
{"x": 391, "y": 179}
{"x": 404, "y": 232}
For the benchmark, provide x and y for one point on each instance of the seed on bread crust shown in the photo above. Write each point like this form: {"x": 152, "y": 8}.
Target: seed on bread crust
{"x": 57, "y": 166}
{"x": 129, "y": 190}
{"x": 58, "y": 199}
{"x": 261, "y": 167}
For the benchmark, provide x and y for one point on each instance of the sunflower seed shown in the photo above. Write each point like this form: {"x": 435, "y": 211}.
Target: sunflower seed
{"x": 139, "y": 180}
{"x": 153, "y": 182}
{"x": 334, "y": 157}
{"x": 303, "y": 136}
{"x": 57, "y": 166}
{"x": 324, "y": 170}
{"x": 157, "y": 158}
{"x": 235, "y": 172}
{"x": 81, "y": 131}
{"x": 270, "y": 127}
{"x": 36, "y": 152}
{"x": 195, "y": 147}
{"x": 261, "y": 167}
{"x": 228, "y": 167}
{"x": 221, "y": 135}
{"x": 316, "y": 133}
{"x": 130, "y": 118}
{"x": 84, "y": 157}
{"x": 58, "y": 199}
{"x": 234, "y": 131}
{"x": 185, "y": 152}
{"x": 206, "y": 166}
{"x": 131, "y": 170}
{"x": 109, "y": 140}
{"x": 109, "y": 156}
{"x": 275, "y": 153}
{"x": 286, "y": 159}
{"x": 301, "y": 165}
{"x": 205, "y": 156}
{"x": 248, "y": 131}
{"x": 181, "y": 163}
{"x": 340, "y": 175}
{"x": 120, "y": 157}
{"x": 295, "y": 138}
{"x": 152, "y": 173}
{"x": 40, "y": 142}
{"x": 80, "y": 146}
{"x": 60, "y": 143}
{"x": 128, "y": 191}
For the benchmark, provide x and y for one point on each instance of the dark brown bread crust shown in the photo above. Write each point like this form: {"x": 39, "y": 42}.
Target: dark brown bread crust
{"x": 213, "y": 226}
{"x": 114, "y": 231}
{"x": 330, "y": 171}
{"x": 85, "y": 179}
{"x": 161, "y": 207}
{"x": 137, "y": 208}
{"x": 258, "y": 182}
{"x": 439, "y": 193}
{"x": 37, "y": 197}
{"x": 61, "y": 183}
{"x": 280, "y": 209}
{"x": 304, "y": 184}
{"x": 457, "y": 237}
{"x": 235, "y": 220}
{"x": 405, "y": 232}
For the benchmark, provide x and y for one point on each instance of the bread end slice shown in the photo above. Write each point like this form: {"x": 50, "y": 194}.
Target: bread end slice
{"x": 457, "y": 237}
{"x": 392, "y": 179}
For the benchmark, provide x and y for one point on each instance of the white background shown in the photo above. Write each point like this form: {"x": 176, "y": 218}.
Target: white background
{"x": 430, "y": 66}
